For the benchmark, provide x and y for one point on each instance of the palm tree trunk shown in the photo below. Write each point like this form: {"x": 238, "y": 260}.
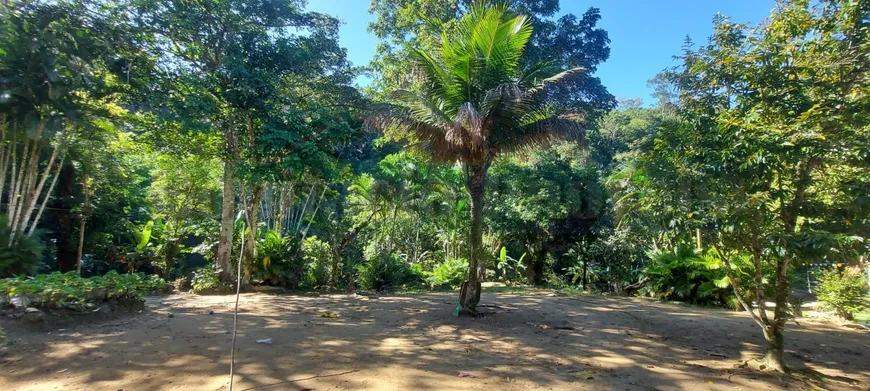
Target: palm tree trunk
{"x": 469, "y": 295}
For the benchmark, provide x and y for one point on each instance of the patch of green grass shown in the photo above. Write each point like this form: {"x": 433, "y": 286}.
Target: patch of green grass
{"x": 863, "y": 317}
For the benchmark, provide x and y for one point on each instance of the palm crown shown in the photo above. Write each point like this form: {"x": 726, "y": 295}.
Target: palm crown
{"x": 475, "y": 101}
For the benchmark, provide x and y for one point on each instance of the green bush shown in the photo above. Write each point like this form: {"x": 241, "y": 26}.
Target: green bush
{"x": 317, "y": 256}
{"x": 57, "y": 290}
{"x": 610, "y": 262}
{"x": 279, "y": 263}
{"x": 206, "y": 280}
{"x": 684, "y": 275}
{"x": 22, "y": 257}
{"x": 385, "y": 271}
{"x": 844, "y": 292}
{"x": 450, "y": 273}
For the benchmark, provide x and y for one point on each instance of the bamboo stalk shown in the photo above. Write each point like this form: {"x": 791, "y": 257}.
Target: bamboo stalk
{"x": 4, "y": 153}
{"x": 47, "y": 196}
{"x": 305, "y": 206}
{"x": 34, "y": 195}
{"x": 26, "y": 178}
{"x": 320, "y": 201}
{"x": 17, "y": 175}
{"x": 26, "y": 189}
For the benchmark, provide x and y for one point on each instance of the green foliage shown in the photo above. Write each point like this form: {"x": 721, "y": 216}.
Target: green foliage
{"x": 385, "y": 271}
{"x": 763, "y": 158}
{"x": 279, "y": 263}
{"x": 844, "y": 291}
{"x": 206, "y": 281}
{"x": 448, "y": 274}
{"x": 57, "y": 290}
{"x": 567, "y": 41}
{"x": 317, "y": 256}
{"x": 183, "y": 195}
{"x": 611, "y": 262}
{"x": 22, "y": 257}
{"x": 543, "y": 201}
{"x": 683, "y": 274}
{"x": 508, "y": 269}
{"x": 143, "y": 236}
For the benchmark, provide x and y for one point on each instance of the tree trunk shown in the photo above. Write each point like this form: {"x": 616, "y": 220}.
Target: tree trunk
{"x": 629, "y": 290}
{"x": 225, "y": 243}
{"x": 66, "y": 248}
{"x": 83, "y": 221}
{"x": 469, "y": 294}
{"x": 34, "y": 193}
{"x": 535, "y": 262}
{"x": 538, "y": 266}
{"x": 774, "y": 336}
{"x": 773, "y": 361}
{"x": 253, "y": 217}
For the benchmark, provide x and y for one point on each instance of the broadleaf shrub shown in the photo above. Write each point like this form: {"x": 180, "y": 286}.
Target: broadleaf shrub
{"x": 279, "y": 262}
{"x": 57, "y": 290}
{"x": 844, "y": 292}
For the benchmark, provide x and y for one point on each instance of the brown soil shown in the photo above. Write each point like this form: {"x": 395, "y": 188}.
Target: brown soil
{"x": 413, "y": 343}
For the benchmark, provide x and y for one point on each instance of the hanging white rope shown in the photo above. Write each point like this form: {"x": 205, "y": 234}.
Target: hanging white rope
{"x": 236, "y": 311}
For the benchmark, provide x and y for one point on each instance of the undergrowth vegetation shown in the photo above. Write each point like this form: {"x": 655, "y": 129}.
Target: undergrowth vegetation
{"x": 57, "y": 290}
{"x": 845, "y": 292}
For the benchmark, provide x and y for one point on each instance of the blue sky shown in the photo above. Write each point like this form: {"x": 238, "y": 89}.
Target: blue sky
{"x": 644, "y": 34}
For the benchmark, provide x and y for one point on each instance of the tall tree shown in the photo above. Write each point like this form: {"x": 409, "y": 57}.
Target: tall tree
{"x": 771, "y": 111}
{"x": 474, "y": 102}
{"x": 227, "y": 64}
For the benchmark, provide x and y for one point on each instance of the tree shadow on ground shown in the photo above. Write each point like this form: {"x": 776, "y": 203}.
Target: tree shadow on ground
{"x": 412, "y": 342}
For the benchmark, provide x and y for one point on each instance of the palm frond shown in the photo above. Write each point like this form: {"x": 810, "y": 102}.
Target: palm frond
{"x": 422, "y": 108}
{"x": 557, "y": 79}
{"x": 539, "y": 133}
{"x": 400, "y": 123}
{"x": 534, "y": 74}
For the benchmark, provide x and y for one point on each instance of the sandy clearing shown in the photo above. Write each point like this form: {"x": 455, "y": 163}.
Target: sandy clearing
{"x": 412, "y": 343}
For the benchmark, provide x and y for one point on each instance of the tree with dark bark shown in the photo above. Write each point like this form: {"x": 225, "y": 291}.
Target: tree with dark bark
{"x": 474, "y": 101}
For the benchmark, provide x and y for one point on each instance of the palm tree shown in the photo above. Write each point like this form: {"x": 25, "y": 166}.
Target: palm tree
{"x": 473, "y": 102}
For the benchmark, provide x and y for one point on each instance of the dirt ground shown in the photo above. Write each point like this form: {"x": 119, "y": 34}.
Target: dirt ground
{"x": 413, "y": 343}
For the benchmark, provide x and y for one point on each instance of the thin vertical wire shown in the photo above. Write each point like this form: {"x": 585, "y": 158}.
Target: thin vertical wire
{"x": 236, "y": 311}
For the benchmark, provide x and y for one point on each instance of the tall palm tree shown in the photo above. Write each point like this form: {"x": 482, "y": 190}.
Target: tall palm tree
{"x": 473, "y": 102}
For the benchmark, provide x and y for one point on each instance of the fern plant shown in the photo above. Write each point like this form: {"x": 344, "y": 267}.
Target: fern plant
{"x": 683, "y": 274}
